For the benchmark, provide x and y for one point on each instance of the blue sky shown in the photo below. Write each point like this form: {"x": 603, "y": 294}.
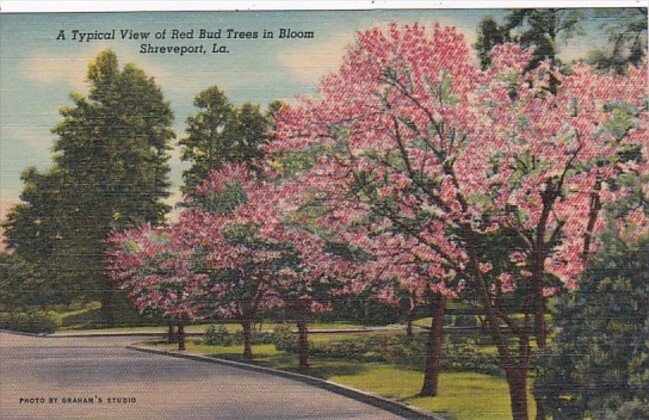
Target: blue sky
{"x": 37, "y": 72}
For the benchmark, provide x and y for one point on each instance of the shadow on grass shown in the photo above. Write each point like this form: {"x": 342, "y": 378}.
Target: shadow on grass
{"x": 319, "y": 368}
{"x": 327, "y": 369}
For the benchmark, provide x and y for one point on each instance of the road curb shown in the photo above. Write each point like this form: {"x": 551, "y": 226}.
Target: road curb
{"x": 383, "y": 403}
{"x": 28, "y": 334}
{"x": 124, "y": 334}
{"x": 199, "y": 334}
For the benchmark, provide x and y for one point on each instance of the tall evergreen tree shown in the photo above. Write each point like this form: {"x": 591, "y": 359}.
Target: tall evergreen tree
{"x": 626, "y": 29}
{"x": 207, "y": 144}
{"x": 490, "y": 34}
{"x": 18, "y": 281}
{"x": 220, "y": 133}
{"x": 33, "y": 229}
{"x": 598, "y": 363}
{"x": 110, "y": 170}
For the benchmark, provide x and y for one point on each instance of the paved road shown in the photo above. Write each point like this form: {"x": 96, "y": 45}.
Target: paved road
{"x": 163, "y": 387}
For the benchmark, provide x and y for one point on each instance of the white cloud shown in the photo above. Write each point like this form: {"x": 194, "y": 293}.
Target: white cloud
{"x": 6, "y": 203}
{"x": 71, "y": 68}
{"x": 52, "y": 68}
{"x": 311, "y": 61}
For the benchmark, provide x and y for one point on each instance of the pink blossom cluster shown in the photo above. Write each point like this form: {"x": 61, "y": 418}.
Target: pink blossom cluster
{"x": 419, "y": 162}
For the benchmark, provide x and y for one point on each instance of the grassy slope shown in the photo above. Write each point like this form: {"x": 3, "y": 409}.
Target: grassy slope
{"x": 463, "y": 395}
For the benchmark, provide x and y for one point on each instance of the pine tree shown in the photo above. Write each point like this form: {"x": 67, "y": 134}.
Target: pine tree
{"x": 110, "y": 170}
{"x": 207, "y": 143}
{"x": 221, "y": 133}
{"x": 598, "y": 359}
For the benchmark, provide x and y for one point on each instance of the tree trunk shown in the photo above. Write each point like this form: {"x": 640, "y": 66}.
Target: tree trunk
{"x": 170, "y": 331}
{"x": 540, "y": 332}
{"x": 595, "y": 207}
{"x": 246, "y": 323}
{"x": 303, "y": 339}
{"x": 107, "y": 309}
{"x": 540, "y": 328}
{"x": 434, "y": 348}
{"x": 409, "y": 324}
{"x": 517, "y": 381}
{"x": 181, "y": 334}
{"x": 515, "y": 371}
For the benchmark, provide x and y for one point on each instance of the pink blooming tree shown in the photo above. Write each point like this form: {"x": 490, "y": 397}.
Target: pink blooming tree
{"x": 160, "y": 271}
{"x": 406, "y": 295}
{"x": 380, "y": 144}
{"x": 562, "y": 161}
{"x": 241, "y": 267}
{"x": 394, "y": 262}
{"x": 413, "y": 151}
{"x": 308, "y": 275}
{"x": 271, "y": 259}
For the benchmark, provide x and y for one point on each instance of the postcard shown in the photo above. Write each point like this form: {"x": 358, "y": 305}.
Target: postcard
{"x": 387, "y": 211}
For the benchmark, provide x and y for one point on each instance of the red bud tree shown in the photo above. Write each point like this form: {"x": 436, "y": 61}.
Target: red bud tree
{"x": 425, "y": 159}
{"x": 160, "y": 270}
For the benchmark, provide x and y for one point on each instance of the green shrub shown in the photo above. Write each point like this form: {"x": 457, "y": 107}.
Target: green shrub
{"x": 465, "y": 321}
{"x": 258, "y": 337}
{"x": 33, "y": 322}
{"x": 284, "y": 339}
{"x": 404, "y": 350}
{"x": 220, "y": 336}
{"x": 4, "y": 320}
{"x": 351, "y": 349}
{"x": 467, "y": 356}
{"x": 217, "y": 336}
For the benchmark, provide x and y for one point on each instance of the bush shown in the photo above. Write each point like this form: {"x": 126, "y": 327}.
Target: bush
{"x": 258, "y": 337}
{"x": 398, "y": 349}
{"x": 352, "y": 349}
{"x": 33, "y": 322}
{"x": 220, "y": 336}
{"x": 284, "y": 339}
{"x": 631, "y": 410}
{"x": 598, "y": 361}
{"x": 217, "y": 336}
{"x": 467, "y": 356}
{"x": 405, "y": 350}
{"x": 465, "y": 321}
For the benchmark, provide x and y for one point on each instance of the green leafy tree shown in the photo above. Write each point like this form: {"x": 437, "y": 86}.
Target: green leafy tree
{"x": 221, "y": 133}
{"x": 110, "y": 170}
{"x": 490, "y": 34}
{"x": 207, "y": 144}
{"x": 20, "y": 284}
{"x": 33, "y": 225}
{"x": 627, "y": 38}
{"x": 598, "y": 364}
{"x": 33, "y": 230}
{"x": 542, "y": 28}
{"x": 248, "y": 133}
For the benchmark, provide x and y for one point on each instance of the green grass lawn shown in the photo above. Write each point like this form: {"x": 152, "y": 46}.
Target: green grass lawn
{"x": 86, "y": 318}
{"x": 462, "y": 395}
{"x": 76, "y": 328}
